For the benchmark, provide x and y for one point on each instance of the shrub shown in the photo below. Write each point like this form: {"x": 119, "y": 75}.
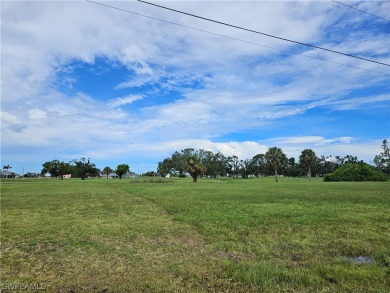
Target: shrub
{"x": 356, "y": 172}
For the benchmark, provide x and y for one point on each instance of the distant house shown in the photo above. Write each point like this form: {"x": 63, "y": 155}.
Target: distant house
{"x": 176, "y": 173}
{"x": 7, "y": 174}
{"x": 115, "y": 176}
{"x": 112, "y": 176}
{"x": 130, "y": 175}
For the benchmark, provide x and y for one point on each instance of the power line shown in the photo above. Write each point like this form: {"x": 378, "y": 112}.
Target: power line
{"x": 361, "y": 10}
{"x": 232, "y": 38}
{"x": 264, "y": 34}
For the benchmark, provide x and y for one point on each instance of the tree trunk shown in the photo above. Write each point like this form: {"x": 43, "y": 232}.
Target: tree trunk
{"x": 309, "y": 174}
{"x": 194, "y": 178}
{"x": 276, "y": 174}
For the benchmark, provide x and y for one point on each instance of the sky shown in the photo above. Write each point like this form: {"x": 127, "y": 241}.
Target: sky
{"x": 79, "y": 79}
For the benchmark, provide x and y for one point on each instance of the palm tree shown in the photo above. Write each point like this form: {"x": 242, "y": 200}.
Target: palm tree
{"x": 195, "y": 168}
{"x": 308, "y": 158}
{"x": 276, "y": 158}
{"x": 7, "y": 167}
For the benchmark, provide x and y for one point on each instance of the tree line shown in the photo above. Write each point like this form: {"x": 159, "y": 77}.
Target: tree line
{"x": 81, "y": 168}
{"x": 273, "y": 162}
{"x": 206, "y": 163}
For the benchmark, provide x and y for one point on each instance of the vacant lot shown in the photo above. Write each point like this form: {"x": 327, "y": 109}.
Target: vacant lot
{"x": 154, "y": 235}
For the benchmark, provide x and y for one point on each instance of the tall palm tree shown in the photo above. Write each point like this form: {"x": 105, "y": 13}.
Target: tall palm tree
{"x": 308, "y": 158}
{"x": 276, "y": 158}
{"x": 7, "y": 167}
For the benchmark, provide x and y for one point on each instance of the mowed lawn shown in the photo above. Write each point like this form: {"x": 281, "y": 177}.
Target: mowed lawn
{"x": 226, "y": 235}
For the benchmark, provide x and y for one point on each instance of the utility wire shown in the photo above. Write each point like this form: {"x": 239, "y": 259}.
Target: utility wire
{"x": 232, "y": 38}
{"x": 260, "y": 33}
{"x": 361, "y": 10}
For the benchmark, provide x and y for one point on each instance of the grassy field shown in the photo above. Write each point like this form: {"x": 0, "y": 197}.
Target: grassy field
{"x": 154, "y": 235}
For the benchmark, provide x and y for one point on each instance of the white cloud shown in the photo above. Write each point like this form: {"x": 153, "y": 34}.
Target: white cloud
{"x": 8, "y": 118}
{"x": 243, "y": 150}
{"x": 160, "y": 150}
{"x": 37, "y": 114}
{"x": 311, "y": 140}
{"x": 355, "y": 102}
{"x": 138, "y": 81}
{"x": 118, "y": 102}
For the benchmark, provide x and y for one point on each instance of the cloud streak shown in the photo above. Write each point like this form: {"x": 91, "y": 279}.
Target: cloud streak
{"x": 118, "y": 102}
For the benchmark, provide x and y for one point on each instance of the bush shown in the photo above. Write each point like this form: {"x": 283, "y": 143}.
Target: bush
{"x": 356, "y": 172}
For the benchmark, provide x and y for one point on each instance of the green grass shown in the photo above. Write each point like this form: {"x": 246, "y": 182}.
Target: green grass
{"x": 157, "y": 235}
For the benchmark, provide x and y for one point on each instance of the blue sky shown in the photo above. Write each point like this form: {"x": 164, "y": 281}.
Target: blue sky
{"x": 83, "y": 80}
